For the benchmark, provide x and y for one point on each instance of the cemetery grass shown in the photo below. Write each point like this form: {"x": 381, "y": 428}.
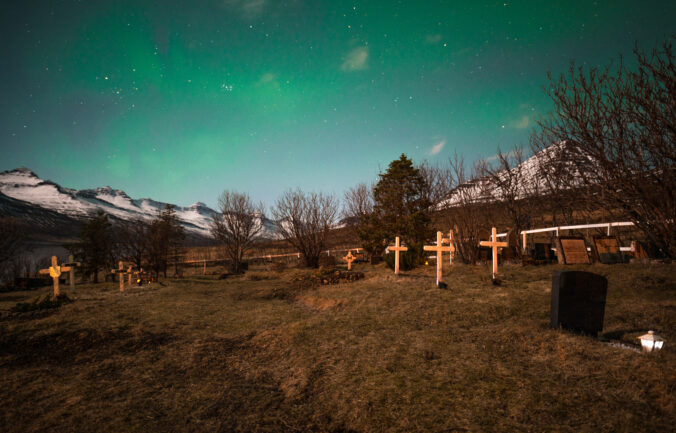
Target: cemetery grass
{"x": 270, "y": 351}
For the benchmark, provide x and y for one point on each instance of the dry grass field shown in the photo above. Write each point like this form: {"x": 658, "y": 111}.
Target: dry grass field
{"x": 268, "y": 351}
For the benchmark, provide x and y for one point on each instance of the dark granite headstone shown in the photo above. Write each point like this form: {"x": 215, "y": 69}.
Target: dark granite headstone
{"x": 578, "y": 301}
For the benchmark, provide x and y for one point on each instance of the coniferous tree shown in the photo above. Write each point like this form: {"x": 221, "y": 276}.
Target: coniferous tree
{"x": 401, "y": 207}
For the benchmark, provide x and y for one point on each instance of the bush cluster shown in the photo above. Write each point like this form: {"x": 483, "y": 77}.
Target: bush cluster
{"x": 45, "y": 303}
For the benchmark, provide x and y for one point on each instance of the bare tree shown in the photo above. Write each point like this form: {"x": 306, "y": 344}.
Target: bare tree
{"x": 358, "y": 202}
{"x": 304, "y": 221}
{"x": 134, "y": 240}
{"x": 236, "y": 228}
{"x": 514, "y": 188}
{"x": 12, "y": 238}
{"x": 358, "y": 212}
{"x": 469, "y": 205}
{"x": 618, "y": 127}
{"x": 166, "y": 235}
{"x": 438, "y": 183}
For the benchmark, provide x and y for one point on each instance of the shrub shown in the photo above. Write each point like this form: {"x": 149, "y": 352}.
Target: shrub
{"x": 277, "y": 267}
{"x": 408, "y": 259}
{"x": 327, "y": 261}
{"x": 46, "y": 303}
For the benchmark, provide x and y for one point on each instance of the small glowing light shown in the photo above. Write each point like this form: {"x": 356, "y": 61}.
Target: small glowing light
{"x": 651, "y": 341}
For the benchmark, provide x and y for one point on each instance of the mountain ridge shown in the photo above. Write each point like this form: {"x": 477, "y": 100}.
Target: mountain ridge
{"x": 23, "y": 188}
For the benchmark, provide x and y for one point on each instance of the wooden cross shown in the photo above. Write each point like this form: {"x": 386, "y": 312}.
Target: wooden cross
{"x": 439, "y": 248}
{"x": 494, "y": 244}
{"x": 55, "y": 271}
{"x": 120, "y": 271}
{"x": 451, "y": 243}
{"x": 138, "y": 274}
{"x": 349, "y": 258}
{"x": 72, "y": 264}
{"x": 129, "y": 273}
{"x": 396, "y": 248}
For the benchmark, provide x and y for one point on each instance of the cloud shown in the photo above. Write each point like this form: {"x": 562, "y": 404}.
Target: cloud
{"x": 268, "y": 77}
{"x": 437, "y": 148}
{"x": 433, "y": 39}
{"x": 522, "y": 123}
{"x": 356, "y": 60}
{"x": 247, "y": 8}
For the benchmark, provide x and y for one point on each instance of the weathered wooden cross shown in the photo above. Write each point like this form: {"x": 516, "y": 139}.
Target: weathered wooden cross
{"x": 451, "y": 243}
{"x": 120, "y": 271}
{"x": 129, "y": 274}
{"x": 396, "y": 248}
{"x": 55, "y": 271}
{"x": 349, "y": 258}
{"x": 72, "y": 264}
{"x": 494, "y": 244}
{"x": 439, "y": 248}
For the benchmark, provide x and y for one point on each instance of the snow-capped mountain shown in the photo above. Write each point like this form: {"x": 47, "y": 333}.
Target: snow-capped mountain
{"x": 23, "y": 185}
{"x": 526, "y": 179}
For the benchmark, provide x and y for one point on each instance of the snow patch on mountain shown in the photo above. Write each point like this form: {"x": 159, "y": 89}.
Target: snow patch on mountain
{"x": 24, "y": 185}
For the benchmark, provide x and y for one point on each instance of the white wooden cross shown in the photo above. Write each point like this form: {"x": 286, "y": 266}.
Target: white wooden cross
{"x": 439, "y": 248}
{"x": 72, "y": 264}
{"x": 494, "y": 244}
{"x": 55, "y": 271}
{"x": 120, "y": 271}
{"x": 396, "y": 248}
{"x": 349, "y": 258}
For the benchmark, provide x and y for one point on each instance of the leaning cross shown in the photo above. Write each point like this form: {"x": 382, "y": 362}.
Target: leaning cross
{"x": 494, "y": 244}
{"x": 72, "y": 264}
{"x": 54, "y": 271}
{"x": 439, "y": 248}
{"x": 120, "y": 271}
{"x": 349, "y": 258}
{"x": 396, "y": 248}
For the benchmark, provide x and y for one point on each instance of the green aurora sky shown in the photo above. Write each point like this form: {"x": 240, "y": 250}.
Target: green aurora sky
{"x": 179, "y": 100}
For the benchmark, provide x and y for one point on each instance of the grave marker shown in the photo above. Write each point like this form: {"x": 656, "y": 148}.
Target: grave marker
{"x": 55, "y": 271}
{"x": 608, "y": 250}
{"x": 451, "y": 243}
{"x": 120, "y": 271}
{"x": 397, "y": 248}
{"x": 439, "y": 248}
{"x": 72, "y": 264}
{"x": 572, "y": 250}
{"x": 578, "y": 301}
{"x": 349, "y": 258}
{"x": 494, "y": 245}
{"x": 129, "y": 273}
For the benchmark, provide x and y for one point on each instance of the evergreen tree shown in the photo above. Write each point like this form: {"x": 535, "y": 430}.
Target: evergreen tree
{"x": 400, "y": 208}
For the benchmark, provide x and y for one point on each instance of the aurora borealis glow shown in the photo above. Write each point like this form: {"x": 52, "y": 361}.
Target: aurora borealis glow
{"x": 179, "y": 100}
